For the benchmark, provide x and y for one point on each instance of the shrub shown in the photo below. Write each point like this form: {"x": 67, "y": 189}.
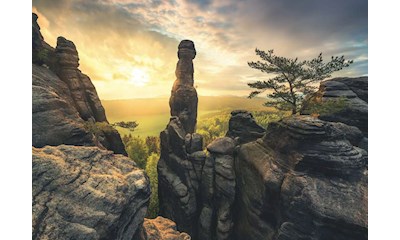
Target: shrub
{"x": 151, "y": 170}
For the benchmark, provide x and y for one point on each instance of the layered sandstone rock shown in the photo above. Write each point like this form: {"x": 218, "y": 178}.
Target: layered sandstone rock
{"x": 183, "y": 101}
{"x": 55, "y": 120}
{"x": 302, "y": 180}
{"x": 86, "y": 193}
{"x": 354, "y": 92}
{"x": 65, "y": 100}
{"x": 243, "y": 126}
{"x": 181, "y": 161}
{"x": 162, "y": 229}
{"x": 42, "y": 53}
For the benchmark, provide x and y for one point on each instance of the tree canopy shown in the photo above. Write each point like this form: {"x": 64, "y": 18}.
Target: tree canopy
{"x": 293, "y": 79}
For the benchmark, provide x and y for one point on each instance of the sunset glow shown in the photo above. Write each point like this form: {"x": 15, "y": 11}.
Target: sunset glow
{"x": 128, "y": 48}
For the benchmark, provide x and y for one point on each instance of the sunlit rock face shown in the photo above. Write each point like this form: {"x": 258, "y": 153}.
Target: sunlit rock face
{"x": 183, "y": 100}
{"x": 82, "y": 89}
{"x": 86, "y": 193}
{"x": 162, "y": 229}
{"x": 64, "y": 99}
{"x": 354, "y": 92}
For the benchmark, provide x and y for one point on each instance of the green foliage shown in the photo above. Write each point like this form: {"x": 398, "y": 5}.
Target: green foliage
{"x": 131, "y": 125}
{"x": 264, "y": 118}
{"x": 151, "y": 170}
{"x": 327, "y": 107}
{"x": 43, "y": 55}
{"x": 98, "y": 128}
{"x": 137, "y": 150}
{"x": 214, "y": 126}
{"x": 293, "y": 79}
{"x": 146, "y": 153}
{"x": 153, "y": 144}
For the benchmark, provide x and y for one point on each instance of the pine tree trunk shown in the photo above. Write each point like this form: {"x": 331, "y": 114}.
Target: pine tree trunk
{"x": 294, "y": 110}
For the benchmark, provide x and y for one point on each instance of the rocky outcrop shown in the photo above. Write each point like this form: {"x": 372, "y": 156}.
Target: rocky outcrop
{"x": 183, "y": 101}
{"x": 162, "y": 229}
{"x": 177, "y": 177}
{"x": 86, "y": 193}
{"x": 302, "y": 180}
{"x": 354, "y": 93}
{"x": 182, "y": 159}
{"x": 65, "y": 100}
{"x": 218, "y": 191}
{"x": 55, "y": 120}
{"x": 42, "y": 53}
{"x": 243, "y": 126}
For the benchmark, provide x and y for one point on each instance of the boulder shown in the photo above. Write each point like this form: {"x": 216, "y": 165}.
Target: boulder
{"x": 244, "y": 127}
{"x": 86, "y": 193}
{"x": 162, "y": 229}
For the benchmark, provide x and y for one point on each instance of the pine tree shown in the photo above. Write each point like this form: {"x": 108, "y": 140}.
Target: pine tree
{"x": 293, "y": 79}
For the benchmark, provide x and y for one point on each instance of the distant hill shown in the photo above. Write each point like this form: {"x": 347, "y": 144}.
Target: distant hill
{"x": 152, "y": 114}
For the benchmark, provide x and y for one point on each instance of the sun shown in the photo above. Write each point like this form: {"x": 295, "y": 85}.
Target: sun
{"x": 139, "y": 77}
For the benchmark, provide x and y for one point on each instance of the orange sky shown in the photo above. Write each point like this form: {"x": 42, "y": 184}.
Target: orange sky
{"x": 129, "y": 48}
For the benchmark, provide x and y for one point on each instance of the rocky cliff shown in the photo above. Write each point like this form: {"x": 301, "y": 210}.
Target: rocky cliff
{"x": 81, "y": 190}
{"x": 86, "y": 193}
{"x": 302, "y": 178}
{"x": 65, "y": 101}
{"x": 354, "y": 92}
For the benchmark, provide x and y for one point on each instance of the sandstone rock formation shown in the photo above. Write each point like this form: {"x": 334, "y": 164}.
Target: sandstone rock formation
{"x": 183, "y": 101}
{"x": 355, "y": 93}
{"x": 55, "y": 120}
{"x": 302, "y": 180}
{"x": 86, "y": 193}
{"x": 162, "y": 229}
{"x": 181, "y": 161}
{"x": 64, "y": 99}
{"x": 243, "y": 126}
{"x": 177, "y": 177}
{"x": 42, "y": 53}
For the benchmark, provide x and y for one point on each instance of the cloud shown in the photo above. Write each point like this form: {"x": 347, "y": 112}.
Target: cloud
{"x": 115, "y": 36}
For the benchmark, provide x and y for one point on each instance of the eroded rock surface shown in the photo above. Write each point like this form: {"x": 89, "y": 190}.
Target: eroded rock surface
{"x": 86, "y": 193}
{"x": 64, "y": 99}
{"x": 354, "y": 92}
{"x": 302, "y": 180}
{"x": 183, "y": 100}
{"x": 162, "y": 229}
{"x": 243, "y": 126}
{"x": 55, "y": 120}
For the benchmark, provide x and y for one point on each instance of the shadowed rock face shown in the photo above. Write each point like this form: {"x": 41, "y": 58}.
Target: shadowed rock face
{"x": 86, "y": 193}
{"x": 182, "y": 159}
{"x": 64, "y": 98}
{"x": 302, "y": 180}
{"x": 183, "y": 100}
{"x": 55, "y": 120}
{"x": 243, "y": 126}
{"x": 83, "y": 92}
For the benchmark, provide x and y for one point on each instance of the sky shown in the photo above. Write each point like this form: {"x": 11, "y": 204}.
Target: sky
{"x": 129, "y": 48}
